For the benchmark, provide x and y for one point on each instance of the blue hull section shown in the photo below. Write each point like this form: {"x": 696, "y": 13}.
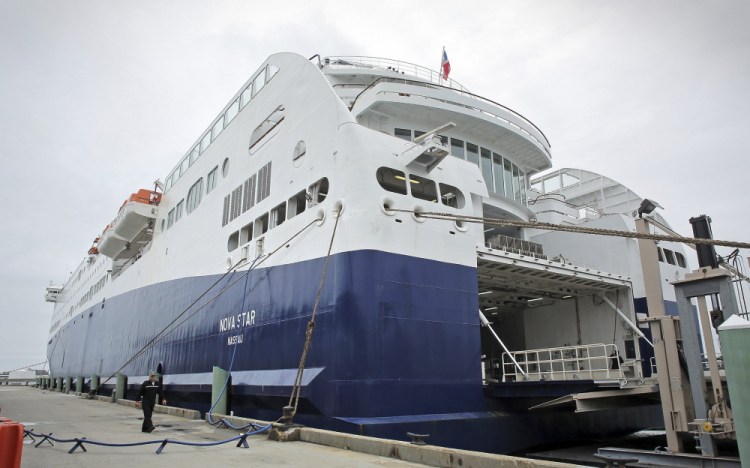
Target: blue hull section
{"x": 396, "y": 348}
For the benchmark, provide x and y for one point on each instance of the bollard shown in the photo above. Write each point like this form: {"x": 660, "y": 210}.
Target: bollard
{"x": 68, "y": 384}
{"x": 122, "y": 384}
{"x": 219, "y": 398}
{"x": 79, "y": 384}
{"x": 94, "y": 383}
{"x": 60, "y": 384}
{"x": 735, "y": 345}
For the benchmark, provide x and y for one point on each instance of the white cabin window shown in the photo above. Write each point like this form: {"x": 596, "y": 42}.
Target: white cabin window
{"x": 170, "y": 218}
{"x": 422, "y": 188}
{"x": 245, "y": 97}
{"x": 246, "y": 233}
{"x": 217, "y": 128}
{"x": 194, "y": 153}
{"x": 225, "y": 167}
{"x": 194, "y": 195}
{"x": 278, "y": 215}
{"x": 451, "y": 196}
{"x": 233, "y": 241}
{"x": 403, "y": 133}
{"x": 184, "y": 165}
{"x": 259, "y": 82}
{"x": 261, "y": 225}
{"x": 669, "y": 255}
{"x": 265, "y": 127}
{"x": 318, "y": 191}
{"x": 211, "y": 179}
{"x": 232, "y": 112}
{"x": 392, "y": 180}
{"x": 297, "y": 204}
{"x": 205, "y": 142}
{"x": 457, "y": 148}
{"x": 272, "y": 71}
{"x": 472, "y": 153}
{"x": 178, "y": 210}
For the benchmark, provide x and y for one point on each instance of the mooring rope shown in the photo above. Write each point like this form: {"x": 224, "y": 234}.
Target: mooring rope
{"x": 294, "y": 397}
{"x": 576, "y": 229}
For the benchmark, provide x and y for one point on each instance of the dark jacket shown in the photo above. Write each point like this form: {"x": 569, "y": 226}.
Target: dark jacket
{"x": 149, "y": 390}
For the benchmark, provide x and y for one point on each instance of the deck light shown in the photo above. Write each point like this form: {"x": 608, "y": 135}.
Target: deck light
{"x": 647, "y": 206}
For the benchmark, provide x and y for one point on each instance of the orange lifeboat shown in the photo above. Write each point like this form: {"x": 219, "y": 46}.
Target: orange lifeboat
{"x": 133, "y": 227}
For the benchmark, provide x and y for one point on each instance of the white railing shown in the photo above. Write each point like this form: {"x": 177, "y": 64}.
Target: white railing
{"x": 433, "y": 76}
{"x": 585, "y": 362}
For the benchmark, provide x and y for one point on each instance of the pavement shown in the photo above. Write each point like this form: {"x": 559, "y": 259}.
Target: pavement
{"x": 67, "y": 416}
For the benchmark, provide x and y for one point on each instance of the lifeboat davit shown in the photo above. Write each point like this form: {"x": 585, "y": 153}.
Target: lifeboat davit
{"x": 133, "y": 227}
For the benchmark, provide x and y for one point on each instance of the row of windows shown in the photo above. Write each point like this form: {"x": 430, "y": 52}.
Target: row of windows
{"x": 296, "y": 204}
{"x": 668, "y": 256}
{"x": 501, "y": 175}
{"x": 194, "y": 197}
{"x": 555, "y": 182}
{"x": 420, "y": 187}
{"x": 245, "y": 197}
{"x": 93, "y": 290}
{"x": 256, "y": 84}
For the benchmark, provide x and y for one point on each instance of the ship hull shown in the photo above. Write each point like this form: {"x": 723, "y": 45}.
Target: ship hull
{"x": 395, "y": 348}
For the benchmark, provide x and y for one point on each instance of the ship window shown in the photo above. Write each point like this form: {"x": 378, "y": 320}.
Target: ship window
{"x": 568, "y": 180}
{"x": 205, "y": 142}
{"x": 318, "y": 191}
{"x": 669, "y": 255}
{"x": 246, "y": 233}
{"x": 169, "y": 183}
{"x": 660, "y": 254}
{"x": 516, "y": 184}
{"x": 265, "y": 127}
{"x": 552, "y": 184}
{"x": 234, "y": 241}
{"x": 392, "y": 180}
{"x": 418, "y": 133}
{"x": 457, "y": 148}
{"x": 451, "y": 196}
{"x": 194, "y": 195}
{"x": 297, "y": 204}
{"x": 163, "y": 225}
{"x": 272, "y": 71}
{"x": 472, "y": 153}
{"x": 245, "y": 98}
{"x": 211, "y": 179}
{"x": 299, "y": 153}
{"x": 217, "y": 128}
{"x": 487, "y": 168}
{"x": 497, "y": 170}
{"x": 680, "y": 260}
{"x": 422, "y": 188}
{"x": 537, "y": 185}
{"x": 259, "y": 82}
{"x": 194, "y": 154}
{"x": 403, "y": 133}
{"x": 261, "y": 225}
{"x": 170, "y": 218}
{"x": 522, "y": 183}
{"x": 178, "y": 210}
{"x": 232, "y": 111}
{"x": 278, "y": 215}
{"x": 184, "y": 165}
{"x": 225, "y": 167}
{"x": 508, "y": 178}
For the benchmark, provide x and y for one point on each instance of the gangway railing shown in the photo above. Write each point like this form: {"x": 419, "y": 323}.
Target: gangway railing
{"x": 584, "y": 362}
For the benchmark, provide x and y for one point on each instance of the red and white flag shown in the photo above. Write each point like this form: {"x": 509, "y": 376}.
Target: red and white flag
{"x": 445, "y": 66}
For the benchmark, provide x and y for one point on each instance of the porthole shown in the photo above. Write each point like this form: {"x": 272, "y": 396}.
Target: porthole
{"x": 299, "y": 153}
{"x": 225, "y": 167}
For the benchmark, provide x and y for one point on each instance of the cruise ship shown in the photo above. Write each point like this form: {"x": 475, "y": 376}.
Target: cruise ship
{"x": 309, "y": 193}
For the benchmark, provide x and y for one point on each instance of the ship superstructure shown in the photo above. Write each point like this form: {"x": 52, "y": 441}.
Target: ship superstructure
{"x": 423, "y": 324}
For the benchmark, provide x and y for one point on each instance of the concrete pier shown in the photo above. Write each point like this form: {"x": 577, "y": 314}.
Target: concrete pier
{"x": 67, "y": 416}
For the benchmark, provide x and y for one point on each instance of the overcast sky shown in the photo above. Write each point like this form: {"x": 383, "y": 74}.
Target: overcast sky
{"x": 99, "y": 98}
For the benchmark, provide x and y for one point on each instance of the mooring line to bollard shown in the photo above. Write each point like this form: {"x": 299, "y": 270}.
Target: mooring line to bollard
{"x": 80, "y": 441}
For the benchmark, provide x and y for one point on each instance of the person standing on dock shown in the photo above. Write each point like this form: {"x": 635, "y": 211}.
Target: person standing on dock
{"x": 147, "y": 399}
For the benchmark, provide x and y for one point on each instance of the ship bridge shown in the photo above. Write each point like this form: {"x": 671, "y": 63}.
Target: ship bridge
{"x": 382, "y": 89}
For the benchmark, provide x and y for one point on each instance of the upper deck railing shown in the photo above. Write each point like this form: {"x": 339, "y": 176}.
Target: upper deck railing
{"x": 433, "y": 78}
{"x": 398, "y": 66}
